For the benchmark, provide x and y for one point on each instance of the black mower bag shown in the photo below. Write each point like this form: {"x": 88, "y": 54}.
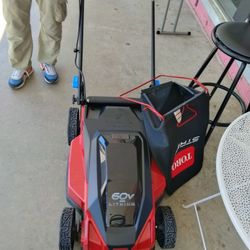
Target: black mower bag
{"x": 176, "y": 137}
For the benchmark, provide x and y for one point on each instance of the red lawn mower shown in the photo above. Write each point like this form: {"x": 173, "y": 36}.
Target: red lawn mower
{"x": 113, "y": 182}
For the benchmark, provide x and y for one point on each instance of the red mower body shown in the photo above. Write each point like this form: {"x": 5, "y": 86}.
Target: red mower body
{"x": 113, "y": 218}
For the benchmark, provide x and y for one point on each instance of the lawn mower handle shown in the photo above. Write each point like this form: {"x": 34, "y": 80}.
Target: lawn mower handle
{"x": 81, "y": 98}
{"x": 82, "y": 92}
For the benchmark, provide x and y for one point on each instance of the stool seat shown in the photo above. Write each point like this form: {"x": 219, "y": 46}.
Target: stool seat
{"x": 233, "y": 38}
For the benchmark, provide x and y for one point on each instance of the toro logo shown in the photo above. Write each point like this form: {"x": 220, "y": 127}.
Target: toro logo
{"x": 122, "y": 197}
{"x": 183, "y": 160}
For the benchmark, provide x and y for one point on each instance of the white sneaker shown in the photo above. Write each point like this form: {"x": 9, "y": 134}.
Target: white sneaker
{"x": 18, "y": 77}
{"x": 49, "y": 73}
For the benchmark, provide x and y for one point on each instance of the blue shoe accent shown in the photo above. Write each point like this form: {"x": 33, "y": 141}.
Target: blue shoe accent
{"x": 15, "y": 83}
{"x": 18, "y": 77}
{"x": 50, "y": 78}
{"x": 49, "y": 73}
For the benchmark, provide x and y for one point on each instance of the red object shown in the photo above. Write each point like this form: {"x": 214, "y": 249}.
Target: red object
{"x": 77, "y": 192}
{"x": 158, "y": 182}
{"x": 146, "y": 239}
{"x": 77, "y": 181}
{"x": 152, "y": 109}
{"x": 90, "y": 237}
{"x": 190, "y": 118}
{"x": 183, "y": 160}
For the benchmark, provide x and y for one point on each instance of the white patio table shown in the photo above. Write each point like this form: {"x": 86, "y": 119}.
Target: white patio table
{"x": 233, "y": 176}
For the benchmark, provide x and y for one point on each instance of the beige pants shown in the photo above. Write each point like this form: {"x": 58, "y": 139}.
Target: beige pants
{"x": 17, "y": 15}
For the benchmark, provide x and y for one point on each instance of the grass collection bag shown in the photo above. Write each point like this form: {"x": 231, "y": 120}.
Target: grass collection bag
{"x": 177, "y": 137}
{"x": 175, "y": 118}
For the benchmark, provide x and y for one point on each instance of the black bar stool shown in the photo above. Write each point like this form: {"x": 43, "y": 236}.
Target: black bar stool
{"x": 233, "y": 39}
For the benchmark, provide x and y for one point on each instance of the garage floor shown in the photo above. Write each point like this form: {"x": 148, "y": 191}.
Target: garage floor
{"x": 33, "y": 148}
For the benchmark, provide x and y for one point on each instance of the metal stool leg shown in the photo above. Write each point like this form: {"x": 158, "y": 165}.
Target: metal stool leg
{"x": 225, "y": 101}
{"x": 174, "y": 32}
{"x": 222, "y": 76}
{"x": 234, "y": 94}
{"x": 204, "y": 65}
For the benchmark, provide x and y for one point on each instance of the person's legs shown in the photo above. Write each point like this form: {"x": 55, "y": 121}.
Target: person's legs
{"x": 17, "y": 15}
{"x": 52, "y": 14}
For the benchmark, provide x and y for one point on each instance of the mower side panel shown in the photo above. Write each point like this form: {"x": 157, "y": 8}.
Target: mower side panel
{"x": 76, "y": 188}
{"x": 92, "y": 239}
{"x": 90, "y": 236}
{"x": 158, "y": 182}
{"x": 146, "y": 239}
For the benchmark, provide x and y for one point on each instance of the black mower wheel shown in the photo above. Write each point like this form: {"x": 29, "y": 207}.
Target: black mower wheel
{"x": 73, "y": 124}
{"x": 165, "y": 227}
{"x": 68, "y": 230}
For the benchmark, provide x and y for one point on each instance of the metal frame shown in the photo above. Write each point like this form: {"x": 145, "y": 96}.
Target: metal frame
{"x": 80, "y": 99}
{"x": 81, "y": 90}
{"x": 194, "y": 205}
{"x": 225, "y": 101}
{"x": 153, "y": 42}
{"x": 230, "y": 90}
{"x": 222, "y": 188}
{"x": 173, "y": 32}
{"x": 226, "y": 89}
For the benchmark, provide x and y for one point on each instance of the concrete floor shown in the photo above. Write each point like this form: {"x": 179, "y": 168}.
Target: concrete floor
{"x": 33, "y": 150}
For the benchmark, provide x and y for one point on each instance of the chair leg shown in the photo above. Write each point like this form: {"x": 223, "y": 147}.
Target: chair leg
{"x": 165, "y": 16}
{"x": 204, "y": 65}
{"x": 225, "y": 101}
{"x": 221, "y": 77}
{"x": 178, "y": 16}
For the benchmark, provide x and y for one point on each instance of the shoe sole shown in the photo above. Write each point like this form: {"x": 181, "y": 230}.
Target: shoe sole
{"x": 24, "y": 81}
{"x": 48, "y": 82}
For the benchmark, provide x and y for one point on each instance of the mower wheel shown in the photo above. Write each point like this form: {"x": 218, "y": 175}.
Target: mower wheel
{"x": 68, "y": 229}
{"x": 165, "y": 227}
{"x": 73, "y": 124}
